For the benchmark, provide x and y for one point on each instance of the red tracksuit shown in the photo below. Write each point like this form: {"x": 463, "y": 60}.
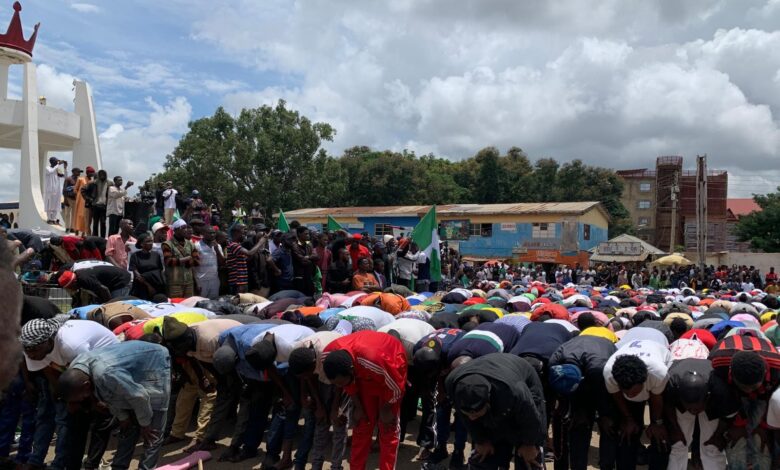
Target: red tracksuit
{"x": 380, "y": 377}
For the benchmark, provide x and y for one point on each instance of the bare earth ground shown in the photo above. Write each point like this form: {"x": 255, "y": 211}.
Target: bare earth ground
{"x": 406, "y": 453}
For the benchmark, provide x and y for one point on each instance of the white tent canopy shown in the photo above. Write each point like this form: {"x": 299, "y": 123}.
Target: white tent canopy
{"x": 624, "y": 248}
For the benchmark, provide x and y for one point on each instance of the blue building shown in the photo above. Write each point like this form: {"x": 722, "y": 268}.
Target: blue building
{"x": 552, "y": 232}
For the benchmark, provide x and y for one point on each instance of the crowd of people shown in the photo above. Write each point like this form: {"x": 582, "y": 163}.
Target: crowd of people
{"x": 188, "y": 333}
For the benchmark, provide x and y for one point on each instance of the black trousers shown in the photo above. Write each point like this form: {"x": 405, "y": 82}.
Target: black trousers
{"x": 81, "y": 426}
{"x": 504, "y": 453}
{"x": 572, "y": 430}
{"x": 420, "y": 389}
{"x": 627, "y": 452}
{"x": 99, "y": 221}
{"x": 113, "y": 223}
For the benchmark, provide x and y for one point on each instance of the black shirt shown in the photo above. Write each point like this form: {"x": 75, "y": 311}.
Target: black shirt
{"x": 111, "y": 277}
{"x": 37, "y": 307}
{"x": 337, "y": 273}
{"x": 588, "y": 353}
{"x": 541, "y": 340}
{"x": 722, "y": 400}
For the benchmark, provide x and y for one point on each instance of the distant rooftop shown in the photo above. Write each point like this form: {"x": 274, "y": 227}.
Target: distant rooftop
{"x": 740, "y": 207}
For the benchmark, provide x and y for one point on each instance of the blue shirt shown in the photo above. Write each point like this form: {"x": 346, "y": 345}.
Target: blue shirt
{"x": 283, "y": 260}
{"x": 487, "y": 338}
{"x": 240, "y": 339}
{"x": 441, "y": 340}
{"x": 132, "y": 376}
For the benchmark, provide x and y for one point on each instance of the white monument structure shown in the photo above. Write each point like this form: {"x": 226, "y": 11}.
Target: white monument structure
{"x": 37, "y": 129}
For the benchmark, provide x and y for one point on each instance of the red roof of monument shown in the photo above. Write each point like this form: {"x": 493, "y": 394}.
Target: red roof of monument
{"x": 14, "y": 36}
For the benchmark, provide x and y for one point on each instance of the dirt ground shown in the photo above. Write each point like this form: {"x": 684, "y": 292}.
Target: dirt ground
{"x": 406, "y": 453}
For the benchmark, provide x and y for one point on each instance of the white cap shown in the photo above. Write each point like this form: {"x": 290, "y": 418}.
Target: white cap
{"x": 158, "y": 226}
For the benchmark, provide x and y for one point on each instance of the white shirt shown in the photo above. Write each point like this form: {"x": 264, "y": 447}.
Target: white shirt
{"x": 285, "y": 338}
{"x": 379, "y": 317}
{"x": 89, "y": 263}
{"x": 72, "y": 339}
{"x": 644, "y": 334}
{"x": 170, "y": 198}
{"x": 116, "y": 201}
{"x": 657, "y": 359}
{"x": 318, "y": 341}
{"x": 411, "y": 331}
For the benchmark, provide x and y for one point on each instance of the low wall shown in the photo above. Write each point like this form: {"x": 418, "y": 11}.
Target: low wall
{"x": 762, "y": 261}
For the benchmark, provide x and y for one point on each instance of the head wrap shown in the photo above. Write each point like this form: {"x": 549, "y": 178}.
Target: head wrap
{"x": 67, "y": 279}
{"x": 472, "y": 393}
{"x": 565, "y": 378}
{"x": 40, "y": 330}
{"x": 179, "y": 224}
{"x": 173, "y": 329}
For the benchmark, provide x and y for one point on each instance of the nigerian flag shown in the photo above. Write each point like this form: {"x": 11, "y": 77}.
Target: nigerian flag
{"x": 282, "y": 224}
{"x": 426, "y": 236}
{"x": 333, "y": 225}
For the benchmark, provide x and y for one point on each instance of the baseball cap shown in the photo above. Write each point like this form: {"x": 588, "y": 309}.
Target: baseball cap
{"x": 158, "y": 226}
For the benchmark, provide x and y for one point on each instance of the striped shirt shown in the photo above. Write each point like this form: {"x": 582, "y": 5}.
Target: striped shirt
{"x": 236, "y": 264}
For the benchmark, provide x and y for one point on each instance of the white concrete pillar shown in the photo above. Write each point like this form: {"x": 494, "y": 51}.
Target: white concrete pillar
{"x": 86, "y": 151}
{"x": 31, "y": 213}
{"x": 4, "y": 80}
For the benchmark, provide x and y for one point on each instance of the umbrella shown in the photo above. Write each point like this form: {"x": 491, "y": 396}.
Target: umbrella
{"x": 675, "y": 259}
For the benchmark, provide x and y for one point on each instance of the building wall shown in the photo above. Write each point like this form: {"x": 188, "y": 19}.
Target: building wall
{"x": 631, "y": 197}
{"x": 512, "y": 234}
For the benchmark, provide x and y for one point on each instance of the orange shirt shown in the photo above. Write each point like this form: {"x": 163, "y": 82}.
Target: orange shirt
{"x": 361, "y": 280}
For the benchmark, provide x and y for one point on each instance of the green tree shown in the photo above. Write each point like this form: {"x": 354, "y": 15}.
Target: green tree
{"x": 271, "y": 155}
{"x": 762, "y": 228}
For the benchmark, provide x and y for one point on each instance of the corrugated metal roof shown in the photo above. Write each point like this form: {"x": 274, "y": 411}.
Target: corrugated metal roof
{"x": 570, "y": 208}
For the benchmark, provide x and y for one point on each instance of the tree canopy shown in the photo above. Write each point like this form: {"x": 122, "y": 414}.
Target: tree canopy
{"x": 275, "y": 156}
{"x": 762, "y": 228}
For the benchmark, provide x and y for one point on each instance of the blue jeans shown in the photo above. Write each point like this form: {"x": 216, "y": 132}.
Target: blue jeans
{"x": 51, "y": 417}
{"x": 14, "y": 406}
{"x": 284, "y": 424}
{"x": 128, "y": 440}
{"x": 443, "y": 417}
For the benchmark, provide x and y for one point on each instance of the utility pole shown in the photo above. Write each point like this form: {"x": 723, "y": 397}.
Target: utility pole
{"x": 701, "y": 209}
{"x": 674, "y": 192}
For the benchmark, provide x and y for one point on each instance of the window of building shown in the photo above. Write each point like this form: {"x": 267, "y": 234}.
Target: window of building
{"x": 481, "y": 230}
{"x": 644, "y": 187}
{"x": 543, "y": 230}
{"x": 643, "y": 204}
{"x": 382, "y": 230}
{"x": 586, "y": 232}
{"x": 644, "y": 221}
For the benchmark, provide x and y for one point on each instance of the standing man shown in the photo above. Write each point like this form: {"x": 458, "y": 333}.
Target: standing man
{"x": 99, "y": 204}
{"x": 371, "y": 368}
{"x": 237, "y": 256}
{"x": 304, "y": 262}
{"x": 69, "y": 195}
{"x": 117, "y": 247}
{"x": 500, "y": 392}
{"x": 211, "y": 258}
{"x": 51, "y": 189}
{"x": 180, "y": 257}
{"x": 169, "y": 202}
{"x": 116, "y": 204}
{"x": 132, "y": 379}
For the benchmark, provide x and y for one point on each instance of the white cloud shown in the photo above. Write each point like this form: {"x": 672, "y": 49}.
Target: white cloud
{"x": 137, "y": 152}
{"x": 85, "y": 7}
{"x": 56, "y": 87}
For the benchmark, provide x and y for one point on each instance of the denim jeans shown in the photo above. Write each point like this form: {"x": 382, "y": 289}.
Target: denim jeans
{"x": 253, "y": 407}
{"x": 13, "y": 407}
{"x": 129, "y": 438}
{"x": 443, "y": 426}
{"x": 284, "y": 424}
{"x": 51, "y": 417}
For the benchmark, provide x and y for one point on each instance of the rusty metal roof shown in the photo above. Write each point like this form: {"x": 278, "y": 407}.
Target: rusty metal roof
{"x": 564, "y": 208}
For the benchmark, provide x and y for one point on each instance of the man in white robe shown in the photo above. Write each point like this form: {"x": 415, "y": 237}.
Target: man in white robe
{"x": 52, "y": 189}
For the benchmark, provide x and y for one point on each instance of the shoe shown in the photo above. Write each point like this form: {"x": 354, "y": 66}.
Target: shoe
{"x": 438, "y": 455}
{"x": 229, "y": 455}
{"x": 423, "y": 455}
{"x": 458, "y": 460}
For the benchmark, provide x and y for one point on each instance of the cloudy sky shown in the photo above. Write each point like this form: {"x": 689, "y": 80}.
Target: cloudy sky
{"x": 613, "y": 82}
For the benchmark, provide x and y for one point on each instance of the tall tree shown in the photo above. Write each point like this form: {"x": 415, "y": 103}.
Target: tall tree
{"x": 271, "y": 155}
{"x": 762, "y": 228}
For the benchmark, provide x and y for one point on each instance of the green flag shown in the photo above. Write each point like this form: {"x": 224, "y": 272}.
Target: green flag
{"x": 333, "y": 225}
{"x": 282, "y": 224}
{"x": 426, "y": 236}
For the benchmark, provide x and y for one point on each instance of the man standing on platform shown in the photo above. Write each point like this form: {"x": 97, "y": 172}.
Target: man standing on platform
{"x": 51, "y": 190}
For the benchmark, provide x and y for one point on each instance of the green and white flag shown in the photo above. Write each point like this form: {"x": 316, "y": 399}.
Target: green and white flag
{"x": 426, "y": 236}
{"x": 333, "y": 225}
{"x": 282, "y": 224}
